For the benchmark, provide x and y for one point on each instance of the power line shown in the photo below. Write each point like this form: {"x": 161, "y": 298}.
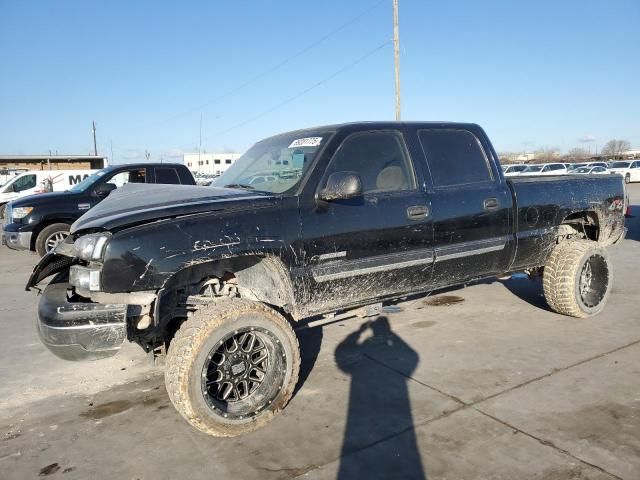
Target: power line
{"x": 305, "y": 91}
{"x": 275, "y": 67}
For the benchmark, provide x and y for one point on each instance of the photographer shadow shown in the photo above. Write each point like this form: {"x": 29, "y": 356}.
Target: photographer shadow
{"x": 379, "y": 439}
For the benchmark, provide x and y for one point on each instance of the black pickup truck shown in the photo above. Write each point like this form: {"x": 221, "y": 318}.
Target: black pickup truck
{"x": 40, "y": 222}
{"x": 306, "y": 223}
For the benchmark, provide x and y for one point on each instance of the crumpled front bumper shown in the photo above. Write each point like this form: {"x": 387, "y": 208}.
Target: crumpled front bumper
{"x": 79, "y": 330}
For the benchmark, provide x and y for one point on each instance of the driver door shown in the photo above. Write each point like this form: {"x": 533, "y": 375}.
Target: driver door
{"x": 377, "y": 244}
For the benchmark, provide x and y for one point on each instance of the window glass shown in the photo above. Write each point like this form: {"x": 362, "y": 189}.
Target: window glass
{"x": 217, "y": 161}
{"x": 282, "y": 160}
{"x": 228, "y": 161}
{"x": 137, "y": 175}
{"x": 25, "y": 183}
{"x": 168, "y": 175}
{"x": 379, "y": 158}
{"x": 620, "y": 165}
{"x": 455, "y": 157}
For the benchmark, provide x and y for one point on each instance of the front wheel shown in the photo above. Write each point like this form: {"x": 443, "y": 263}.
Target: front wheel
{"x": 50, "y": 237}
{"x": 232, "y": 367}
{"x": 578, "y": 278}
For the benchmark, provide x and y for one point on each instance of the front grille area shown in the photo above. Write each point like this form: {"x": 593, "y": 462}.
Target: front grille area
{"x": 6, "y": 218}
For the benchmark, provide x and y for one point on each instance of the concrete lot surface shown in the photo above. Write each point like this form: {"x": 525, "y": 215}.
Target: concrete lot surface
{"x": 486, "y": 383}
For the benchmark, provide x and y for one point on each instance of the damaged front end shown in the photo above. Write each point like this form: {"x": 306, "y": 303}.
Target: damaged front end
{"x": 75, "y": 320}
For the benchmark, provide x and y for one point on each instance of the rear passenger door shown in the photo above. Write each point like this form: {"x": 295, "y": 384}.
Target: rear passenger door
{"x": 471, "y": 206}
{"x": 167, "y": 175}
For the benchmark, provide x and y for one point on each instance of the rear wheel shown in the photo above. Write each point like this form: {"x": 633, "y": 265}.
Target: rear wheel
{"x": 232, "y": 367}
{"x": 577, "y": 278}
{"x": 627, "y": 178}
{"x": 50, "y": 237}
{"x": 3, "y": 209}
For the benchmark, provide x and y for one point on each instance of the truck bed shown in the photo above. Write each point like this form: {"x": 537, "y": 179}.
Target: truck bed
{"x": 543, "y": 203}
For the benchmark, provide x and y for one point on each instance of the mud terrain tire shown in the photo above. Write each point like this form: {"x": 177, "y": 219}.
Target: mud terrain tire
{"x": 578, "y": 278}
{"x": 212, "y": 354}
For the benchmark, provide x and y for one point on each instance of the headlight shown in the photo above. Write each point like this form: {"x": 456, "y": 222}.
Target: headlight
{"x": 91, "y": 247}
{"x": 85, "y": 278}
{"x": 20, "y": 212}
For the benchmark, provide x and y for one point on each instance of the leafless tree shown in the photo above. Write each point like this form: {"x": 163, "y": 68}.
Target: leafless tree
{"x": 576, "y": 155}
{"x": 614, "y": 148}
{"x": 546, "y": 155}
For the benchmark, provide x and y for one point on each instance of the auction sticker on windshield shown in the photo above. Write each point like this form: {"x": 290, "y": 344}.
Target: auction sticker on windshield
{"x": 306, "y": 142}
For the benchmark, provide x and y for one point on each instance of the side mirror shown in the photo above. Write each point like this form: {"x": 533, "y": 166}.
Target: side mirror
{"x": 341, "y": 186}
{"x": 104, "y": 189}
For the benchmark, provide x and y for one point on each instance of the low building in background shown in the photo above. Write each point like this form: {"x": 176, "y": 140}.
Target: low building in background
{"x": 52, "y": 162}
{"x": 209, "y": 163}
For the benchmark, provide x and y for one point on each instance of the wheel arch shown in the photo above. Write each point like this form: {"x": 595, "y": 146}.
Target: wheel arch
{"x": 586, "y": 221}
{"x": 260, "y": 278}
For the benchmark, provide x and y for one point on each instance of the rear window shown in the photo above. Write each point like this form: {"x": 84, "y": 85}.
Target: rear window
{"x": 620, "y": 165}
{"x": 167, "y": 175}
{"x": 455, "y": 157}
{"x": 555, "y": 167}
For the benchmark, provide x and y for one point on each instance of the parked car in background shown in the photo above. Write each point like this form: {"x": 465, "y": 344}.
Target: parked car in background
{"x": 350, "y": 215}
{"x": 545, "y": 169}
{"x": 575, "y": 166}
{"x": 596, "y": 170}
{"x": 513, "y": 170}
{"x": 205, "y": 179}
{"x": 40, "y": 222}
{"x": 629, "y": 169}
{"x": 39, "y": 181}
{"x": 598, "y": 164}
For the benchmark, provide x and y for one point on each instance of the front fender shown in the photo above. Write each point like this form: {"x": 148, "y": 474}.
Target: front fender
{"x": 147, "y": 256}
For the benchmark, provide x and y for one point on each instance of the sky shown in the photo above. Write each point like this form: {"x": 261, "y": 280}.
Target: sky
{"x": 540, "y": 74}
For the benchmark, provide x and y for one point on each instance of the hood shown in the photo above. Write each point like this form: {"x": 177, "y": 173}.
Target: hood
{"x": 138, "y": 203}
{"x": 38, "y": 199}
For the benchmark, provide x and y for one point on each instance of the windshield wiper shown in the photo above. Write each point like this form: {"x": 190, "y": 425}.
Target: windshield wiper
{"x": 239, "y": 185}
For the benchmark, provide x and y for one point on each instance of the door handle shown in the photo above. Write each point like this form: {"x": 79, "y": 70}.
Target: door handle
{"x": 417, "y": 212}
{"x": 491, "y": 204}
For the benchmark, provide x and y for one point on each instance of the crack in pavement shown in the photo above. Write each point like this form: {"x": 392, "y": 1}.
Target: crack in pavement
{"x": 546, "y": 443}
{"x": 464, "y": 405}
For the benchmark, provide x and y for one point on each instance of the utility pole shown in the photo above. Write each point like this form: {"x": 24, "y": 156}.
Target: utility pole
{"x": 95, "y": 145}
{"x": 111, "y": 145}
{"x": 200, "y": 145}
{"x": 396, "y": 54}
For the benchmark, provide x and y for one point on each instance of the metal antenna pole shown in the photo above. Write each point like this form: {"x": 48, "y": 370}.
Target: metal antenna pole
{"x": 396, "y": 53}
{"x": 95, "y": 145}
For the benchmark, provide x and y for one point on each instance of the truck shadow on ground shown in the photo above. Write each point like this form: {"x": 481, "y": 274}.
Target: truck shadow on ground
{"x": 527, "y": 290}
{"x": 632, "y": 222}
{"x": 310, "y": 341}
{"x": 378, "y": 406}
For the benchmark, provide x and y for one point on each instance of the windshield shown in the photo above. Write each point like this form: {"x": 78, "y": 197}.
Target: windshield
{"x": 583, "y": 170}
{"x": 620, "y": 165}
{"x": 87, "y": 182}
{"x": 533, "y": 168}
{"x": 7, "y": 187}
{"x": 517, "y": 168}
{"x": 274, "y": 165}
